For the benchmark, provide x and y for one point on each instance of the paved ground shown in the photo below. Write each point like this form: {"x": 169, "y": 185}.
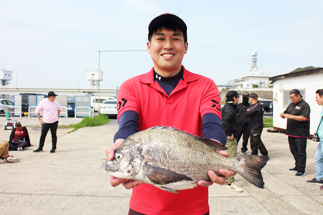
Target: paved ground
{"x": 73, "y": 180}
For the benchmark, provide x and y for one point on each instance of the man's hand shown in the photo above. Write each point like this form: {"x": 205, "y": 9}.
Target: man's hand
{"x": 41, "y": 121}
{"x": 231, "y": 137}
{"x": 282, "y": 115}
{"x": 127, "y": 183}
{"x": 219, "y": 178}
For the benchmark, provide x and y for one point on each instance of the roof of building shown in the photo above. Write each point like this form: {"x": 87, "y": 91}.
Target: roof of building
{"x": 296, "y": 74}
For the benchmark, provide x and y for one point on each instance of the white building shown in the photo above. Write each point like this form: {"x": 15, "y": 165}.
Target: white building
{"x": 307, "y": 82}
{"x": 255, "y": 77}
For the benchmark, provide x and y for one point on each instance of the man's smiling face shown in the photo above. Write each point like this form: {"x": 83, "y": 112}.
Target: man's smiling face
{"x": 167, "y": 49}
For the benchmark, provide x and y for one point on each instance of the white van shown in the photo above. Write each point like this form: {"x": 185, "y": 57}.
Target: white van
{"x": 95, "y": 101}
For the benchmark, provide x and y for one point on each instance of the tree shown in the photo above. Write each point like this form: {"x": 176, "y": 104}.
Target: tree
{"x": 255, "y": 86}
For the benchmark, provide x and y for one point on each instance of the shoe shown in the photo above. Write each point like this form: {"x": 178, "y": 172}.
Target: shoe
{"x": 314, "y": 181}
{"x": 52, "y": 151}
{"x": 233, "y": 187}
{"x": 38, "y": 150}
{"x": 294, "y": 169}
{"x": 244, "y": 153}
{"x": 3, "y": 160}
{"x": 13, "y": 160}
{"x": 300, "y": 174}
{"x": 20, "y": 149}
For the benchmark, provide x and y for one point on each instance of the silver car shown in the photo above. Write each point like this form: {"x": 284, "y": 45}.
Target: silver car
{"x": 4, "y": 103}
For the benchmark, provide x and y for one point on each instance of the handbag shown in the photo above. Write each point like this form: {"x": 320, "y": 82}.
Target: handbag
{"x": 315, "y": 135}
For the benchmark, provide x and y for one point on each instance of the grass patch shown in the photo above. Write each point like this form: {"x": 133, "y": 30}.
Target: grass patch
{"x": 268, "y": 122}
{"x": 89, "y": 122}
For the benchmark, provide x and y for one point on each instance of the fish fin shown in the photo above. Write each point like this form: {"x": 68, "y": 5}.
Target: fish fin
{"x": 162, "y": 176}
{"x": 168, "y": 189}
{"x": 214, "y": 143}
{"x": 252, "y": 166}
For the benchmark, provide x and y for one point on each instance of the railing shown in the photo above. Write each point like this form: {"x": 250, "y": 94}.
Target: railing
{"x": 12, "y": 111}
{"x": 32, "y": 110}
{"x": 63, "y": 111}
{"x": 87, "y": 113}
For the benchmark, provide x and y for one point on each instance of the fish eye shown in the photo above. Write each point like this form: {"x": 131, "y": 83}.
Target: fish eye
{"x": 118, "y": 156}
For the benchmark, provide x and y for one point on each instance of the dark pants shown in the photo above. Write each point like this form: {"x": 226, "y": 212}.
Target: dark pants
{"x": 256, "y": 143}
{"x": 297, "y": 147}
{"x": 245, "y": 131}
{"x": 44, "y": 129}
{"x": 16, "y": 145}
{"x": 132, "y": 212}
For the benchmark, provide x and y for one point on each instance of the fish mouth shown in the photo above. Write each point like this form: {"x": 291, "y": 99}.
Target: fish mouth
{"x": 110, "y": 167}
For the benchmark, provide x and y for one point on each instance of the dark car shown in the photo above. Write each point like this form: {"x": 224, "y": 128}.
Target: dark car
{"x": 265, "y": 103}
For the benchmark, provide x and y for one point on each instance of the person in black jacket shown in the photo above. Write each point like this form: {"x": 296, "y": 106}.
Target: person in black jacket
{"x": 243, "y": 122}
{"x": 19, "y": 138}
{"x": 231, "y": 127}
{"x": 255, "y": 115}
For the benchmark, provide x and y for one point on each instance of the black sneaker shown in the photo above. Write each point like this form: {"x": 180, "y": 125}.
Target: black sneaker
{"x": 300, "y": 174}
{"x": 314, "y": 181}
{"x": 52, "y": 151}
{"x": 294, "y": 169}
{"x": 38, "y": 150}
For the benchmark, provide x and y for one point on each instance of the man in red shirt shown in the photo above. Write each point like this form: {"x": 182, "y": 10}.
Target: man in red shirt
{"x": 169, "y": 95}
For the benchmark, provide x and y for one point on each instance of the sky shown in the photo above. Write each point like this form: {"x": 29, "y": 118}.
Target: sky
{"x": 53, "y": 43}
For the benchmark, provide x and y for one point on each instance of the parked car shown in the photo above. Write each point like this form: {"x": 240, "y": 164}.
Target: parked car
{"x": 265, "y": 103}
{"x": 109, "y": 107}
{"x": 4, "y": 103}
{"x": 95, "y": 104}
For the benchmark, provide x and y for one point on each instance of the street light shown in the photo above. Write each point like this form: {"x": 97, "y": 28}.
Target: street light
{"x": 100, "y": 65}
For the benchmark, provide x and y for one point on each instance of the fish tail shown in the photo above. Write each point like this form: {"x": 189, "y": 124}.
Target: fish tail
{"x": 250, "y": 167}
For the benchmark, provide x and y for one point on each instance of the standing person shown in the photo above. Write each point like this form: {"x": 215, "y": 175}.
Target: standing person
{"x": 19, "y": 138}
{"x": 243, "y": 122}
{"x": 5, "y": 156}
{"x": 255, "y": 115}
{"x": 319, "y": 151}
{"x": 231, "y": 127}
{"x": 298, "y": 129}
{"x": 169, "y": 95}
{"x": 51, "y": 110}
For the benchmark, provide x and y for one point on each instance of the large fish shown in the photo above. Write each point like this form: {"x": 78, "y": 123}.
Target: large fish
{"x": 173, "y": 160}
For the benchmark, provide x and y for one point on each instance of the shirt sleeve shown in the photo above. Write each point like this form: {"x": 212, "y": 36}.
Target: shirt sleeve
{"x": 211, "y": 101}
{"x": 306, "y": 112}
{"x": 58, "y": 106}
{"x": 126, "y": 99}
{"x": 39, "y": 107}
{"x": 128, "y": 125}
{"x": 212, "y": 128}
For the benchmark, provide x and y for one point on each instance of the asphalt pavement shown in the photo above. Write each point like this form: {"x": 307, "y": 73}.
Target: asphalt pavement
{"x": 73, "y": 180}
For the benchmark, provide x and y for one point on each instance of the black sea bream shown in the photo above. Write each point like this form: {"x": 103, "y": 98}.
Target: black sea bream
{"x": 173, "y": 160}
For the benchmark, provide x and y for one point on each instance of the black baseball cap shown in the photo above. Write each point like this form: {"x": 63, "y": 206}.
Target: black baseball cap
{"x": 254, "y": 96}
{"x": 296, "y": 92}
{"x": 18, "y": 124}
{"x": 232, "y": 93}
{"x": 166, "y": 17}
{"x": 245, "y": 94}
{"x": 51, "y": 93}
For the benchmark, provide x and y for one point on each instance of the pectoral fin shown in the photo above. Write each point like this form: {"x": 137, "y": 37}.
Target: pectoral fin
{"x": 162, "y": 176}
